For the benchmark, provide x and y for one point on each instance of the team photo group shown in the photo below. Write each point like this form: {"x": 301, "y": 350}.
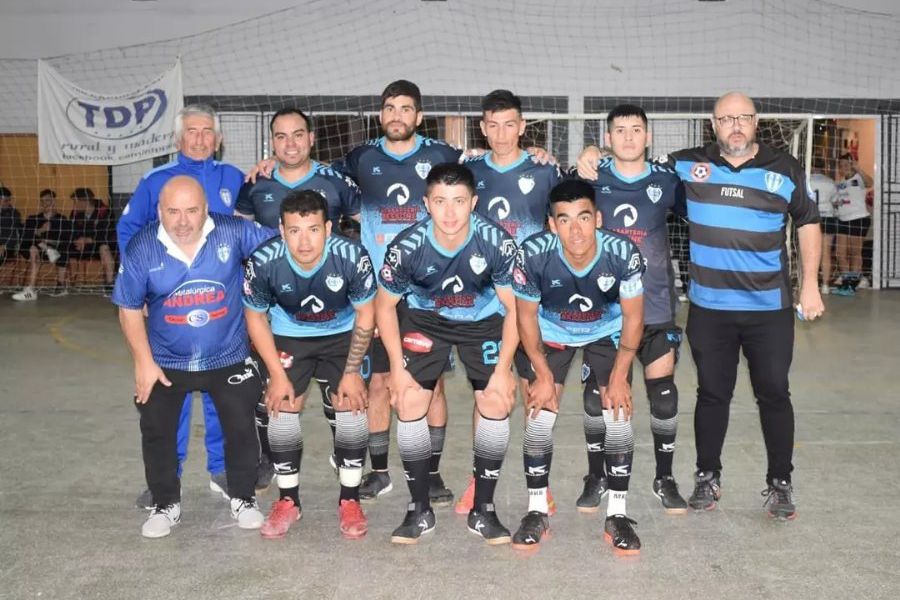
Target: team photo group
{"x": 362, "y": 276}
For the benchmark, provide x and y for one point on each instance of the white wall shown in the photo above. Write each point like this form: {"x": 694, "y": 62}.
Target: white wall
{"x": 788, "y": 48}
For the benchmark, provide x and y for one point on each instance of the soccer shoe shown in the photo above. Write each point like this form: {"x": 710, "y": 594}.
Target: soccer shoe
{"x": 619, "y": 533}
{"x": 246, "y": 512}
{"x": 59, "y": 291}
{"x": 483, "y": 521}
{"x": 218, "y": 482}
{"x": 666, "y": 490}
{"x": 533, "y": 527}
{"x": 844, "y": 290}
{"x": 780, "y": 500}
{"x": 467, "y": 500}
{"x": 354, "y": 524}
{"x": 417, "y": 522}
{"x": 283, "y": 514}
{"x": 26, "y": 295}
{"x": 438, "y": 493}
{"x": 863, "y": 284}
{"x": 265, "y": 473}
{"x": 161, "y": 521}
{"x": 592, "y": 495}
{"x": 707, "y": 490}
{"x": 374, "y": 484}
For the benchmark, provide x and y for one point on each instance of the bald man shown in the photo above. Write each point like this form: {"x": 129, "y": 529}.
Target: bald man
{"x": 186, "y": 268}
{"x": 740, "y": 194}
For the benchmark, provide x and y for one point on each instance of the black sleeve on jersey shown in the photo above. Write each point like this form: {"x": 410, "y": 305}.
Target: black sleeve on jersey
{"x": 361, "y": 286}
{"x": 244, "y": 204}
{"x": 258, "y": 294}
{"x": 393, "y": 276}
{"x": 504, "y": 257}
{"x": 680, "y": 206}
{"x": 803, "y": 207}
{"x": 526, "y": 278}
{"x": 350, "y": 197}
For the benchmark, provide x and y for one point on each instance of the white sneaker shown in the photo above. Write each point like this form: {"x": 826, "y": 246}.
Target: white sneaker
{"x": 26, "y": 295}
{"x": 825, "y": 289}
{"x": 219, "y": 483}
{"x": 52, "y": 254}
{"x": 863, "y": 283}
{"x": 161, "y": 521}
{"x": 247, "y": 513}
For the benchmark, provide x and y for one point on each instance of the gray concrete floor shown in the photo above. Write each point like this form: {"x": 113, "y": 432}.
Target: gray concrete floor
{"x": 70, "y": 468}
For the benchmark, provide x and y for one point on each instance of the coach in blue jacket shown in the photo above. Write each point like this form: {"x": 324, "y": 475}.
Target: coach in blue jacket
{"x": 198, "y": 135}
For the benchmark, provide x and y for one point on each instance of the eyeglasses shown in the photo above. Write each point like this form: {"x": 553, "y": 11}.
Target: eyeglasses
{"x": 734, "y": 119}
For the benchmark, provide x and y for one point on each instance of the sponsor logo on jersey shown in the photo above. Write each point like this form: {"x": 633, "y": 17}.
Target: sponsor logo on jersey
{"x": 387, "y": 273}
{"x": 402, "y": 196}
{"x": 315, "y": 311}
{"x": 455, "y": 299}
{"x": 269, "y": 198}
{"x": 431, "y": 269}
{"x": 731, "y": 192}
{"x": 605, "y": 190}
{"x": 526, "y": 183}
{"x": 605, "y": 281}
{"x": 364, "y": 265}
{"x": 394, "y": 257}
{"x": 635, "y": 262}
{"x": 584, "y": 303}
{"x": 314, "y": 302}
{"x": 478, "y": 264}
{"x": 654, "y": 192}
{"x": 480, "y": 185}
{"x": 223, "y": 251}
{"x": 555, "y": 283}
{"x": 455, "y": 281}
{"x": 502, "y": 205}
{"x": 700, "y": 172}
{"x": 376, "y": 170}
{"x": 423, "y": 168}
{"x": 225, "y": 195}
{"x": 161, "y": 266}
{"x": 584, "y": 312}
{"x": 630, "y": 215}
{"x": 203, "y": 297}
{"x": 286, "y": 287}
{"x": 334, "y": 282}
{"x": 773, "y": 181}
{"x": 417, "y": 342}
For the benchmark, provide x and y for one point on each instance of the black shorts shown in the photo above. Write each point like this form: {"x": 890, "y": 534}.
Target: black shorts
{"x": 90, "y": 252}
{"x": 855, "y": 227}
{"x": 322, "y": 358}
{"x": 596, "y": 361}
{"x": 62, "y": 261}
{"x": 428, "y": 339}
{"x": 829, "y": 225}
{"x": 657, "y": 341}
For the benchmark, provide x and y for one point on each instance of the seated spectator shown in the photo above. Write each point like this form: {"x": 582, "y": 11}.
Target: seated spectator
{"x": 10, "y": 225}
{"x": 45, "y": 236}
{"x": 93, "y": 232}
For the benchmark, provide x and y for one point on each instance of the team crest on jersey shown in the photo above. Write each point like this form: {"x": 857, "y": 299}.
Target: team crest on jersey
{"x": 393, "y": 257}
{"x": 225, "y": 195}
{"x": 585, "y": 372}
{"x": 223, "y": 251}
{"x": 423, "y": 168}
{"x": 654, "y": 192}
{"x": 635, "y": 262}
{"x": 478, "y": 264}
{"x": 334, "y": 282}
{"x": 700, "y": 172}
{"x": 605, "y": 282}
{"x": 773, "y": 181}
{"x": 526, "y": 183}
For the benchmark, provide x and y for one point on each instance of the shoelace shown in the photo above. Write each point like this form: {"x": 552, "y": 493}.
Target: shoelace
{"x": 781, "y": 496}
{"x": 160, "y": 510}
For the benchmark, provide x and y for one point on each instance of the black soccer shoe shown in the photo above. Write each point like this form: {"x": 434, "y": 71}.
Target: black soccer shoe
{"x": 780, "y": 500}
{"x": 438, "y": 493}
{"x": 417, "y": 522}
{"x": 707, "y": 490}
{"x": 592, "y": 495}
{"x": 666, "y": 490}
{"x": 619, "y": 533}
{"x": 373, "y": 485}
{"x": 534, "y": 526}
{"x": 483, "y": 521}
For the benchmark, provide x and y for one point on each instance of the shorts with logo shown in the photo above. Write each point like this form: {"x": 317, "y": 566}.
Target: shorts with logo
{"x": 597, "y": 361}
{"x": 428, "y": 338}
{"x": 322, "y": 358}
{"x": 830, "y": 225}
{"x": 659, "y": 340}
{"x": 855, "y": 227}
{"x": 378, "y": 353}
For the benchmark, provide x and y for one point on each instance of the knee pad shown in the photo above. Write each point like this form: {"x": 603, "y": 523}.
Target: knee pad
{"x": 663, "y": 397}
{"x": 593, "y": 403}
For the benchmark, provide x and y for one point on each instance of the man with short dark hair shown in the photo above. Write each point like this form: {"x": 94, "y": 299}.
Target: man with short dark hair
{"x": 454, "y": 270}
{"x": 317, "y": 287}
{"x": 92, "y": 233}
{"x": 45, "y": 237}
{"x": 10, "y": 225}
{"x": 578, "y": 286}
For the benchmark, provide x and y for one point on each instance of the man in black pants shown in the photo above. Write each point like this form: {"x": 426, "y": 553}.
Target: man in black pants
{"x": 739, "y": 195}
{"x": 187, "y": 271}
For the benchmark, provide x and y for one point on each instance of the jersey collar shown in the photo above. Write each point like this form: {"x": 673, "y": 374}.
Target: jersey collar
{"x": 399, "y": 157}
{"x": 590, "y": 265}
{"x": 172, "y": 248}
{"x": 276, "y": 175}
{"x": 302, "y": 272}
{"x": 429, "y": 229}
{"x": 523, "y": 156}
{"x": 625, "y": 178}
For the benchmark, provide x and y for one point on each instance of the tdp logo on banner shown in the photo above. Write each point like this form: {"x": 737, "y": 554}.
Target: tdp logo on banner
{"x": 80, "y": 127}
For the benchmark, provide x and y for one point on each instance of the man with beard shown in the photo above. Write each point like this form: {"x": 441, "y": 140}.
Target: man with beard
{"x": 739, "y": 195}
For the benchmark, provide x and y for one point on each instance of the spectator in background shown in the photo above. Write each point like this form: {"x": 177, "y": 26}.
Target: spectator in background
{"x": 10, "y": 225}
{"x": 45, "y": 236}
{"x": 853, "y": 223}
{"x": 825, "y": 191}
{"x": 93, "y": 232}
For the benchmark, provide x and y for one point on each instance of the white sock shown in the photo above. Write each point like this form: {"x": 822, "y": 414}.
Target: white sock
{"x": 616, "y": 503}
{"x": 537, "y": 500}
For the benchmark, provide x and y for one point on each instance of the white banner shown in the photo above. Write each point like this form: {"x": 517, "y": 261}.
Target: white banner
{"x": 80, "y": 127}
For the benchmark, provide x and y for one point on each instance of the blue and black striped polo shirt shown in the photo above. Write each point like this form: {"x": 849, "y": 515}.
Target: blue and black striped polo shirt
{"x": 738, "y": 222}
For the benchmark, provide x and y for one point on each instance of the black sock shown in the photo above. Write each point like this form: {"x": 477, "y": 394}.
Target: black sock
{"x": 538, "y": 449}
{"x": 595, "y": 439}
{"x": 437, "y": 446}
{"x": 286, "y": 447}
{"x": 262, "y": 430}
{"x": 379, "y": 442}
{"x": 489, "y": 448}
{"x": 415, "y": 452}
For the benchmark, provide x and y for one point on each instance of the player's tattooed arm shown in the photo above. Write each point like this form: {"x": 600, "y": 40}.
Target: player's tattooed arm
{"x": 351, "y": 394}
{"x": 359, "y": 344}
